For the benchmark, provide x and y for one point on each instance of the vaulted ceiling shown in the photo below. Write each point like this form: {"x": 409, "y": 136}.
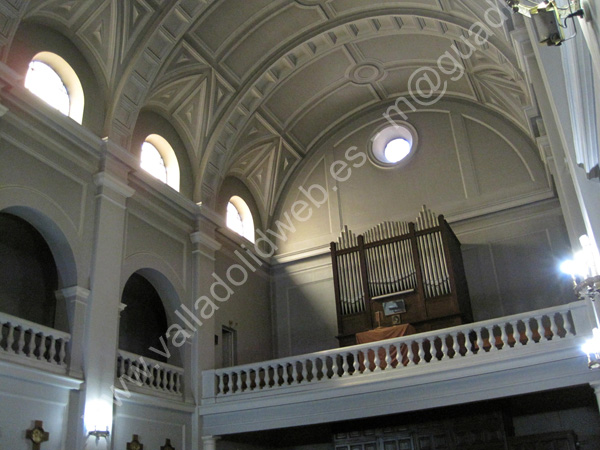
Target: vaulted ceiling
{"x": 253, "y": 86}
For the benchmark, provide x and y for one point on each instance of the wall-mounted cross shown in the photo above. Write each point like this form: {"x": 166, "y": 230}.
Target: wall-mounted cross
{"x": 135, "y": 444}
{"x": 167, "y": 446}
{"x": 37, "y": 435}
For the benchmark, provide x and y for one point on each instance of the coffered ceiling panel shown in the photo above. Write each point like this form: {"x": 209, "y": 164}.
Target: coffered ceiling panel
{"x": 258, "y": 42}
{"x": 313, "y": 79}
{"x": 327, "y": 109}
{"x": 224, "y": 20}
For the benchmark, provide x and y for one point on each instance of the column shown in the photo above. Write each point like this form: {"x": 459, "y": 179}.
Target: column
{"x": 75, "y": 299}
{"x": 102, "y": 332}
{"x": 205, "y": 247}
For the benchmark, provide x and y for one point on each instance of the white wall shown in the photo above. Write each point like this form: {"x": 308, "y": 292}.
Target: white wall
{"x": 475, "y": 167}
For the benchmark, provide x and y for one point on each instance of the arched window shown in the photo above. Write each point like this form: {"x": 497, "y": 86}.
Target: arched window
{"x": 53, "y": 80}
{"x": 143, "y": 321}
{"x": 239, "y": 218}
{"x": 159, "y": 160}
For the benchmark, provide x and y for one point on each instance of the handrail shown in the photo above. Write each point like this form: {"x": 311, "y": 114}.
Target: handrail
{"x": 32, "y": 342}
{"x": 505, "y": 335}
{"x": 144, "y": 372}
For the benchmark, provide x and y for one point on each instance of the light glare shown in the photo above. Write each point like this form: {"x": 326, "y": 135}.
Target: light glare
{"x": 396, "y": 150}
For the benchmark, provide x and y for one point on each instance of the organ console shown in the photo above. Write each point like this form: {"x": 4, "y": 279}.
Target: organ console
{"x": 397, "y": 273}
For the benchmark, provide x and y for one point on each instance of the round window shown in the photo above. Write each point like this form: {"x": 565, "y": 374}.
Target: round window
{"x": 393, "y": 145}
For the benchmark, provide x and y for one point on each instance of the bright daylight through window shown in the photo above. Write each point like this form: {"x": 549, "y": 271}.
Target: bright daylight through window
{"x": 239, "y": 218}
{"x": 43, "y": 81}
{"x": 392, "y": 146}
{"x": 158, "y": 159}
{"x": 153, "y": 162}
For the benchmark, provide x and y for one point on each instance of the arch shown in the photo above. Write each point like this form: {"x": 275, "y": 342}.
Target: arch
{"x": 54, "y": 227}
{"x": 32, "y": 39}
{"x": 142, "y": 300}
{"x": 29, "y": 275}
{"x": 168, "y": 287}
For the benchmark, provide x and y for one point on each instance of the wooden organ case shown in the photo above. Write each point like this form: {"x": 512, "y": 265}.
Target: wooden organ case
{"x": 398, "y": 273}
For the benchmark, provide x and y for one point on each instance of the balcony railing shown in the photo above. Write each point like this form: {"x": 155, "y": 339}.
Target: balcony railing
{"x": 33, "y": 344}
{"x": 149, "y": 375}
{"x": 474, "y": 343}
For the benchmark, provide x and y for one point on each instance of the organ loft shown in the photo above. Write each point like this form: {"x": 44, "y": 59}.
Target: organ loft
{"x": 404, "y": 277}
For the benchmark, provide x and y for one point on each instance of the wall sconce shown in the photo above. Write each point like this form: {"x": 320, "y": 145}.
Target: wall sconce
{"x": 98, "y": 415}
{"x": 586, "y": 281}
{"x": 99, "y": 434}
{"x": 549, "y": 20}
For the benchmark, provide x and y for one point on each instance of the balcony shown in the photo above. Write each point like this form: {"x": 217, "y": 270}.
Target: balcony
{"x": 33, "y": 345}
{"x": 528, "y": 352}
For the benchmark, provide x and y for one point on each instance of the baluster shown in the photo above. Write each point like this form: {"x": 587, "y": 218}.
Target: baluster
{"x": 410, "y": 355}
{"x": 334, "y": 366}
{"x": 393, "y": 348}
{"x": 345, "y": 366}
{"x": 455, "y": 345}
{"x": 304, "y": 371}
{"x": 479, "y": 334}
{"x": 29, "y": 347}
{"x": 542, "y": 329}
{"x": 553, "y": 326}
{"x": 171, "y": 383}
{"x": 492, "y": 339}
{"x": 504, "y": 336}
{"x": 42, "y": 350}
{"x": 376, "y": 360}
{"x": 421, "y": 343}
{"x": 20, "y": 341}
{"x": 295, "y": 373}
{"x": 52, "y": 350}
{"x": 239, "y": 381}
{"x": 528, "y": 331}
{"x": 121, "y": 366}
{"x": 62, "y": 352}
{"x": 229, "y": 383}
{"x": 10, "y": 338}
{"x": 444, "y": 348}
{"x": 355, "y": 362}
{"x": 221, "y": 383}
{"x": 178, "y": 383}
{"x": 310, "y": 373}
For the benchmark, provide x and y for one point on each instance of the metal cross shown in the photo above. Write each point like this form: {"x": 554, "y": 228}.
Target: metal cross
{"x": 135, "y": 444}
{"x": 37, "y": 435}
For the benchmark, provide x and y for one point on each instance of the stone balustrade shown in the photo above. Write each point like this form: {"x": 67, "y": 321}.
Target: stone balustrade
{"x": 150, "y": 375}
{"x": 33, "y": 344}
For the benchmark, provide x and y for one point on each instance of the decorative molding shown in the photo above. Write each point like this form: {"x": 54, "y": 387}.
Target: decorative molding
{"x": 200, "y": 237}
{"x": 106, "y": 180}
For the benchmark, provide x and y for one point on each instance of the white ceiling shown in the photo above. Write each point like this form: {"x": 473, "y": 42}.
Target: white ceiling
{"x": 253, "y": 86}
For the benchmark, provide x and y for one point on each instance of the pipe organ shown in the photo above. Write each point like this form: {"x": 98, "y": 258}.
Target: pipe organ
{"x": 399, "y": 272}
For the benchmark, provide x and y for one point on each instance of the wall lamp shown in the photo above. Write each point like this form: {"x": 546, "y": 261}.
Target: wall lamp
{"x": 99, "y": 434}
{"x": 549, "y": 19}
{"x": 585, "y": 273}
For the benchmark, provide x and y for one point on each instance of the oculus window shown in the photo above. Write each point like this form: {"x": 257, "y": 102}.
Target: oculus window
{"x": 393, "y": 146}
{"x": 239, "y": 218}
{"x": 159, "y": 160}
{"x": 53, "y": 80}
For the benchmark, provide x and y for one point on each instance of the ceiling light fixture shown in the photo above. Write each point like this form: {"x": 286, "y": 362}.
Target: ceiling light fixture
{"x": 549, "y": 19}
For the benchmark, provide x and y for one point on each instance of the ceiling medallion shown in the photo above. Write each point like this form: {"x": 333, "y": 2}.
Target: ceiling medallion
{"x": 366, "y": 72}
